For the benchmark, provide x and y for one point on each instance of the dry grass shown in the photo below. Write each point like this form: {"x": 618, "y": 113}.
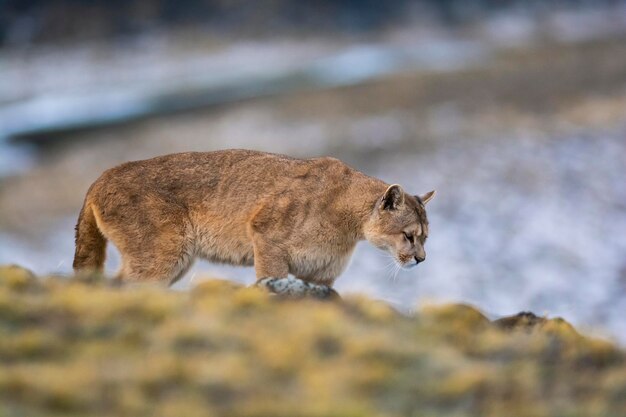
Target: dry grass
{"x": 73, "y": 347}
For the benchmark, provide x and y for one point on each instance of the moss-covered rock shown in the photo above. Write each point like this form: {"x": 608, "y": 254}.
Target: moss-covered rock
{"x": 74, "y": 347}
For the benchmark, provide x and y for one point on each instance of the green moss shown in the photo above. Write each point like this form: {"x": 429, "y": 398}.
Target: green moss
{"x": 74, "y": 347}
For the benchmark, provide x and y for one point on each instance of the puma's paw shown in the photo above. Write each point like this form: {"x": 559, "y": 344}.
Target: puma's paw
{"x": 297, "y": 288}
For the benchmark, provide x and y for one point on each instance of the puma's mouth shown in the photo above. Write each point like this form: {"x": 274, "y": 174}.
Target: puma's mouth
{"x": 408, "y": 262}
{"x": 408, "y": 265}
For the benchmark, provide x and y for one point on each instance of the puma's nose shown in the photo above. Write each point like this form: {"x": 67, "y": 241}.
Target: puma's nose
{"x": 418, "y": 259}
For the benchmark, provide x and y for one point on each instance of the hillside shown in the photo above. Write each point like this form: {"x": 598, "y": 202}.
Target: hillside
{"x": 81, "y": 346}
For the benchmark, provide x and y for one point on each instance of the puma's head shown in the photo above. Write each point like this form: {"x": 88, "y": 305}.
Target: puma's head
{"x": 398, "y": 224}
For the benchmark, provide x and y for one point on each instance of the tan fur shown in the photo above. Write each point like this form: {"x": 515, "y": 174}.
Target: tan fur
{"x": 282, "y": 215}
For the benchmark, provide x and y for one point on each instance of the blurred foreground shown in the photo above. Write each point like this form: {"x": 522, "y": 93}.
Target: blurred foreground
{"x": 72, "y": 347}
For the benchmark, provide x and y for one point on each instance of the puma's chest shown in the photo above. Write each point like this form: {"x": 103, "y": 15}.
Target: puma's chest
{"x": 319, "y": 265}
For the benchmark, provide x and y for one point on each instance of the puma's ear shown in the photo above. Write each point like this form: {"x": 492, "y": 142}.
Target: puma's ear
{"x": 393, "y": 197}
{"x": 425, "y": 198}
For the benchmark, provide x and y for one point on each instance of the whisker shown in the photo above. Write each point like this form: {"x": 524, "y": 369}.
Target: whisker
{"x": 386, "y": 266}
{"x": 395, "y": 276}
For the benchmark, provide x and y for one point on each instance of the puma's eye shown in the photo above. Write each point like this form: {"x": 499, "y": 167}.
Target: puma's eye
{"x": 408, "y": 236}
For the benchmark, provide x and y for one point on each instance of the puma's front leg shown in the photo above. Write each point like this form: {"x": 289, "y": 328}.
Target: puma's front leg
{"x": 270, "y": 261}
{"x": 272, "y": 272}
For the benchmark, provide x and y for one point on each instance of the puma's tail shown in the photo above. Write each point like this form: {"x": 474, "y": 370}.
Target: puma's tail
{"x": 90, "y": 243}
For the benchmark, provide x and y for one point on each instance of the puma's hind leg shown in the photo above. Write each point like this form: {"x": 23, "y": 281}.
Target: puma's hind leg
{"x": 163, "y": 263}
{"x": 156, "y": 245}
{"x": 159, "y": 267}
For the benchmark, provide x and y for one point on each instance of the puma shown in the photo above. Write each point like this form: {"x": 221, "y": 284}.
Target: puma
{"x": 280, "y": 214}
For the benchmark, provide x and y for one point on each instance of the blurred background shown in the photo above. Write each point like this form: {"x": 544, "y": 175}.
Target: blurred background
{"x": 514, "y": 111}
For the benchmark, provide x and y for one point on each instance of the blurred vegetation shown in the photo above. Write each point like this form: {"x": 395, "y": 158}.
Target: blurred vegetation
{"x": 78, "y": 346}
